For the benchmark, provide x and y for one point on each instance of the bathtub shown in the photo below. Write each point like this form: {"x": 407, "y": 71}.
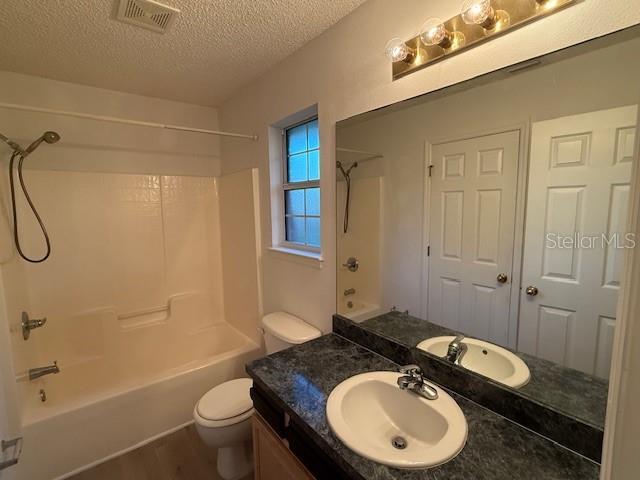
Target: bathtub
{"x": 357, "y": 310}
{"x": 96, "y": 410}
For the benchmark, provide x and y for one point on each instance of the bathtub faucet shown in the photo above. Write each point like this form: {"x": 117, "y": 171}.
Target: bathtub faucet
{"x": 42, "y": 371}
{"x": 349, "y": 291}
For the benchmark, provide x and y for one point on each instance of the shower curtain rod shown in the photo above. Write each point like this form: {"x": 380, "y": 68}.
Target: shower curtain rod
{"x": 362, "y": 152}
{"x": 140, "y": 123}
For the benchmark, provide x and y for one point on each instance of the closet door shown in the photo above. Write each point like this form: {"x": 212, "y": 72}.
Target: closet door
{"x": 473, "y": 202}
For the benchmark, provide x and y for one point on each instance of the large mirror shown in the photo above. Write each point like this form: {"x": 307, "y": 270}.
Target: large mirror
{"x": 495, "y": 211}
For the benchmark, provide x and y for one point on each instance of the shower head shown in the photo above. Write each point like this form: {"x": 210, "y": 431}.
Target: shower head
{"x": 49, "y": 137}
{"x": 346, "y": 173}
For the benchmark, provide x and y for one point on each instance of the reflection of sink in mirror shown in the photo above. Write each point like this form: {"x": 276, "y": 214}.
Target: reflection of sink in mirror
{"x": 357, "y": 310}
{"x": 484, "y": 358}
{"x": 381, "y": 422}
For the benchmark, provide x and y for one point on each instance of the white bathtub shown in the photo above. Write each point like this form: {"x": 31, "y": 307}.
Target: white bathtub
{"x": 97, "y": 410}
{"x": 357, "y": 310}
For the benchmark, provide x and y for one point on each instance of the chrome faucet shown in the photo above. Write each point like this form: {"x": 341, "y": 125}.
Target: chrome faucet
{"x": 42, "y": 371}
{"x": 456, "y": 350}
{"x": 413, "y": 381}
{"x": 349, "y": 291}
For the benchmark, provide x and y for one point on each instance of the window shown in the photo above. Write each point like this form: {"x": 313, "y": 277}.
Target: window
{"x": 302, "y": 185}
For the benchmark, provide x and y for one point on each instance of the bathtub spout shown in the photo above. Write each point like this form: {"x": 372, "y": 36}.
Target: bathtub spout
{"x": 42, "y": 371}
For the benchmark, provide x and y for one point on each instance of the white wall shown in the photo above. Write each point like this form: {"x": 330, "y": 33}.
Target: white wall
{"x": 345, "y": 73}
{"x": 89, "y": 145}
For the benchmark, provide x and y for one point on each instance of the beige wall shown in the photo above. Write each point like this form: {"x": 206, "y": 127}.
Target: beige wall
{"x": 239, "y": 223}
{"x": 345, "y": 73}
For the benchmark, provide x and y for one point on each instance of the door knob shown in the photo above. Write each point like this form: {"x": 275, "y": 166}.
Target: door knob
{"x": 502, "y": 278}
{"x": 531, "y": 291}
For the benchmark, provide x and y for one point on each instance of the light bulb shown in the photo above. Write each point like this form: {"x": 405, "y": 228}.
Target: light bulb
{"x": 397, "y": 51}
{"x": 478, "y": 12}
{"x": 433, "y": 32}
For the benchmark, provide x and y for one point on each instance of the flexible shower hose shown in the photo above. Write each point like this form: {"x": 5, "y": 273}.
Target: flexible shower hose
{"x": 16, "y": 235}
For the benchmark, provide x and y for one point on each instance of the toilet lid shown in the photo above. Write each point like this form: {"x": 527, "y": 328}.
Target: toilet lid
{"x": 227, "y": 400}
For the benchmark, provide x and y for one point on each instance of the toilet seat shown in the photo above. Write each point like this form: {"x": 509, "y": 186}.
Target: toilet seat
{"x": 227, "y": 404}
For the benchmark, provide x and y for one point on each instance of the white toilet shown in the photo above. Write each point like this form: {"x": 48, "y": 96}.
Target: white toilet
{"x": 223, "y": 415}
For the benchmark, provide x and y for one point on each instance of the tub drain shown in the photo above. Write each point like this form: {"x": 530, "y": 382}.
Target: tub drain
{"x": 399, "y": 442}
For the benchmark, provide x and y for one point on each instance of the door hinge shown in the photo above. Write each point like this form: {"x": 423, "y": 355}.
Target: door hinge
{"x": 430, "y": 170}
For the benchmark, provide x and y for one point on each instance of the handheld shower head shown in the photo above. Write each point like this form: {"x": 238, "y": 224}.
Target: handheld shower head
{"x": 49, "y": 137}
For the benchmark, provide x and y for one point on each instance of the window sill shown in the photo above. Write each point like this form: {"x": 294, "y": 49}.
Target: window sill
{"x": 304, "y": 257}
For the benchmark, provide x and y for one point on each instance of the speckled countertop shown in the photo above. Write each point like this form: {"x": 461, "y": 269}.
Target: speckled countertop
{"x": 300, "y": 379}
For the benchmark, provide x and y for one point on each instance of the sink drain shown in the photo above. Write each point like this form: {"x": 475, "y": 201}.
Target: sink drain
{"x": 399, "y": 443}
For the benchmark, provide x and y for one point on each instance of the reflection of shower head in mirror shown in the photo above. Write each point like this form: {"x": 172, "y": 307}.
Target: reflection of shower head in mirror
{"x": 347, "y": 172}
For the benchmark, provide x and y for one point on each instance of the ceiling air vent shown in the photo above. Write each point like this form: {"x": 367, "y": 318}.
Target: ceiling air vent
{"x": 147, "y": 14}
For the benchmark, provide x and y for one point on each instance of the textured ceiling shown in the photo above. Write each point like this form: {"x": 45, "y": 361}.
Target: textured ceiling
{"x": 213, "y": 48}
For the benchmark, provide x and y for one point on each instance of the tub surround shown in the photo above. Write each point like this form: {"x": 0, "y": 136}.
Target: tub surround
{"x": 298, "y": 381}
{"x": 562, "y": 404}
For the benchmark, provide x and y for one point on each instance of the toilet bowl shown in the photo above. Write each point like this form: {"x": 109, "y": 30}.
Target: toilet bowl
{"x": 223, "y": 421}
{"x": 223, "y": 415}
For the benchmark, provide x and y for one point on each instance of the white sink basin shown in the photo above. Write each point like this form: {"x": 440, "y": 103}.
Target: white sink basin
{"x": 484, "y": 358}
{"x": 368, "y": 411}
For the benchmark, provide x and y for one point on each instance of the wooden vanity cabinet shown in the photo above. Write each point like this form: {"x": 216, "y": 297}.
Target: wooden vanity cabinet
{"x": 272, "y": 458}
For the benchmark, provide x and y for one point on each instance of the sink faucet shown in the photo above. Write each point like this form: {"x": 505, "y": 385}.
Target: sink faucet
{"x": 456, "y": 350}
{"x": 42, "y": 371}
{"x": 413, "y": 381}
{"x": 349, "y": 291}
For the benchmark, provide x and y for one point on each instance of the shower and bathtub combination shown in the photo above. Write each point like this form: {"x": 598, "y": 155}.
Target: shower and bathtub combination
{"x": 122, "y": 300}
{"x": 359, "y": 278}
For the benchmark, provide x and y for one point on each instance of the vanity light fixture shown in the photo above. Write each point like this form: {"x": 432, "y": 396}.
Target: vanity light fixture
{"x": 478, "y": 21}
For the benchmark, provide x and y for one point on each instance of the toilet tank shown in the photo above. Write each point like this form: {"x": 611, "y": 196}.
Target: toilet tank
{"x": 283, "y": 330}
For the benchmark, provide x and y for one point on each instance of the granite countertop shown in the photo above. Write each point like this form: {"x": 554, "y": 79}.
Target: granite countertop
{"x": 300, "y": 379}
{"x": 567, "y": 390}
